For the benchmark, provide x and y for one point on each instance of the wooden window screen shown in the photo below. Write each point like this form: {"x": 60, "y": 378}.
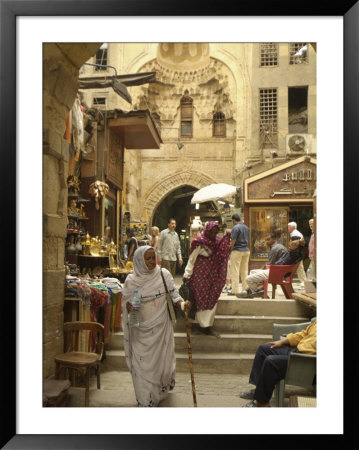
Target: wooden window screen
{"x": 219, "y": 125}
{"x": 269, "y": 54}
{"x": 187, "y": 117}
{"x": 101, "y": 58}
{"x": 268, "y": 118}
{"x": 294, "y": 47}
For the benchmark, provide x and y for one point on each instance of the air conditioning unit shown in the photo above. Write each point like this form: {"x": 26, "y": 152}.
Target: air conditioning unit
{"x": 298, "y": 144}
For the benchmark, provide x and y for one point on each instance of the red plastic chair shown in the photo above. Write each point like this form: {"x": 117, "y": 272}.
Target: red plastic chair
{"x": 281, "y": 275}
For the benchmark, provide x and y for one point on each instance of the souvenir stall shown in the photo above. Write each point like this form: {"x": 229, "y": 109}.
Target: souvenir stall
{"x": 94, "y": 260}
{"x": 92, "y": 288}
{"x": 92, "y": 285}
{"x": 274, "y": 198}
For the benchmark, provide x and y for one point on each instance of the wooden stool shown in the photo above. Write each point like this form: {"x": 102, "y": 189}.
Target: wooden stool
{"x": 55, "y": 392}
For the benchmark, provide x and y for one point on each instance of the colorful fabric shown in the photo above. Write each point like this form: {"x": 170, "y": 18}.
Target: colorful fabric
{"x": 74, "y": 287}
{"x": 209, "y": 272}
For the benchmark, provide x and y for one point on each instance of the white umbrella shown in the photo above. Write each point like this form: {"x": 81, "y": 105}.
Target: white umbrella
{"x": 213, "y": 192}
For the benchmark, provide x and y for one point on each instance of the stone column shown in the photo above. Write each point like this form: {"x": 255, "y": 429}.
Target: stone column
{"x": 61, "y": 63}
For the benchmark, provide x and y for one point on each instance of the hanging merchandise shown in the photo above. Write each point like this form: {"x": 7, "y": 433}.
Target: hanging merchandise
{"x": 90, "y": 134}
{"x": 77, "y": 127}
{"x": 98, "y": 189}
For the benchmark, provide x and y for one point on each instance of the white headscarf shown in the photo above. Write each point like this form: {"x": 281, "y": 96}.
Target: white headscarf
{"x": 148, "y": 282}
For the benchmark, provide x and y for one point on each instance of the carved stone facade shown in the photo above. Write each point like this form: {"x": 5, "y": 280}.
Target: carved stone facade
{"x": 224, "y": 78}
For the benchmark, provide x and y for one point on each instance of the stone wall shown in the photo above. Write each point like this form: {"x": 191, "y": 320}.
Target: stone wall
{"x": 61, "y": 63}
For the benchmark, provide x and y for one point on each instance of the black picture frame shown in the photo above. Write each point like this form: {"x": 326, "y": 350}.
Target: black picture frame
{"x": 10, "y": 9}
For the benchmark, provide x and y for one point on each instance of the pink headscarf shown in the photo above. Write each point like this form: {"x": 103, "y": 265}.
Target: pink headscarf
{"x": 205, "y": 238}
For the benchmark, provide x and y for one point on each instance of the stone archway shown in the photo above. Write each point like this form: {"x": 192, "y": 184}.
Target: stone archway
{"x": 173, "y": 181}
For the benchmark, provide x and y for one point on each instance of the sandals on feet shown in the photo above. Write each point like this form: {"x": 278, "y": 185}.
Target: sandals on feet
{"x": 212, "y": 332}
{"x": 251, "y": 404}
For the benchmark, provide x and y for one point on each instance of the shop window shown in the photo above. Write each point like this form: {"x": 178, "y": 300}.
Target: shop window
{"x": 186, "y": 116}
{"x": 101, "y": 57}
{"x": 298, "y": 53}
{"x": 269, "y": 54}
{"x": 263, "y": 220}
{"x": 268, "y": 113}
{"x": 219, "y": 125}
{"x": 298, "y": 109}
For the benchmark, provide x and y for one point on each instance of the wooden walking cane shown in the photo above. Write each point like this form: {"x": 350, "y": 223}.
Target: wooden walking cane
{"x": 190, "y": 359}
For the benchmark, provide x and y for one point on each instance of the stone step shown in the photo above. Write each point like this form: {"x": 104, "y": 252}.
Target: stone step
{"x": 244, "y": 324}
{"x": 258, "y": 307}
{"x": 227, "y": 343}
{"x": 246, "y": 343}
{"x": 203, "y": 362}
{"x": 235, "y": 363}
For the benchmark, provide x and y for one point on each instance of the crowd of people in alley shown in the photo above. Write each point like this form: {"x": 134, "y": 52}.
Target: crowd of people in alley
{"x": 218, "y": 262}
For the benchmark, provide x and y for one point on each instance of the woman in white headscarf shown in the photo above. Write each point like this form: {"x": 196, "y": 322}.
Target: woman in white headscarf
{"x": 149, "y": 348}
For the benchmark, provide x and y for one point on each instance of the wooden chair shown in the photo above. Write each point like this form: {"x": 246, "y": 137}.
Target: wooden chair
{"x": 282, "y": 275}
{"x": 84, "y": 347}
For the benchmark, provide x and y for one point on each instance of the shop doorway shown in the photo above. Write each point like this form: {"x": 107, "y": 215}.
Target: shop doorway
{"x": 301, "y": 216}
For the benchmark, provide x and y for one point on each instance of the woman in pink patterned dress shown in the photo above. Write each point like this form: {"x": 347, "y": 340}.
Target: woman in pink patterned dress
{"x": 205, "y": 274}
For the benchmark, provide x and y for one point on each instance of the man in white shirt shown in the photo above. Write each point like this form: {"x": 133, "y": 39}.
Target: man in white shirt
{"x": 292, "y": 229}
{"x": 169, "y": 248}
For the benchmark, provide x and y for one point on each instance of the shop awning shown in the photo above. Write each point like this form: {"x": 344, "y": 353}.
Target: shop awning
{"x": 137, "y": 129}
{"x": 133, "y": 79}
{"x": 118, "y": 83}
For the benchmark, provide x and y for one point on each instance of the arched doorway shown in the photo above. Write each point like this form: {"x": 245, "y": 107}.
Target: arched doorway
{"x": 177, "y": 205}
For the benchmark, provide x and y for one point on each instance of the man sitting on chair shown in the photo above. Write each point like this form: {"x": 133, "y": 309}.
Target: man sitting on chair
{"x": 257, "y": 276}
{"x": 271, "y": 360}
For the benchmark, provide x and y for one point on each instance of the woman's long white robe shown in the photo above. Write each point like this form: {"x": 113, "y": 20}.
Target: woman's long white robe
{"x": 149, "y": 348}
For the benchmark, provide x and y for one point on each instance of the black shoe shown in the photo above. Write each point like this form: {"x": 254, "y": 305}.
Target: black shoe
{"x": 257, "y": 293}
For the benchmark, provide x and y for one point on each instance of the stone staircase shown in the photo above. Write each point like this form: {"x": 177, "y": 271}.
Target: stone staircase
{"x": 243, "y": 324}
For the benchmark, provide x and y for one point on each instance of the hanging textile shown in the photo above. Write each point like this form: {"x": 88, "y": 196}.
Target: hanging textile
{"x": 77, "y": 128}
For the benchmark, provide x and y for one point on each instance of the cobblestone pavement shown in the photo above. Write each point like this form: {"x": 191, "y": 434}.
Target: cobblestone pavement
{"x": 211, "y": 390}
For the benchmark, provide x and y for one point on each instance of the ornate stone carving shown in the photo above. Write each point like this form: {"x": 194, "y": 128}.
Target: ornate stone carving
{"x": 187, "y": 55}
{"x": 209, "y": 86}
